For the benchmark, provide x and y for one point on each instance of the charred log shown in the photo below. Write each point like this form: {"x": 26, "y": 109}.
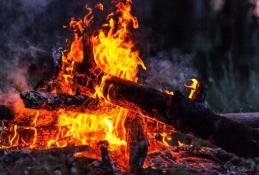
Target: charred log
{"x": 137, "y": 143}
{"x": 65, "y": 150}
{"x": 107, "y": 164}
{"x": 40, "y": 100}
{"x": 6, "y": 113}
{"x": 249, "y": 119}
{"x": 184, "y": 115}
{"x": 177, "y": 110}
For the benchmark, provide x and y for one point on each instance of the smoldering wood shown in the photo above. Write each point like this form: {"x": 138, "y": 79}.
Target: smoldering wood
{"x": 136, "y": 142}
{"x": 106, "y": 160}
{"x": 184, "y": 115}
{"x": 41, "y": 100}
{"x": 6, "y": 113}
{"x": 65, "y": 150}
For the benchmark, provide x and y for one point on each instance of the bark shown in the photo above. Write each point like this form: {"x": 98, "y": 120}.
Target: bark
{"x": 106, "y": 160}
{"x": 136, "y": 142}
{"x": 184, "y": 115}
{"x": 66, "y": 150}
{"x": 41, "y": 100}
{"x": 249, "y": 119}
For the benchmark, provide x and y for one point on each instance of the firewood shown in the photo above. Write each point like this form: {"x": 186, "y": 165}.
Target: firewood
{"x": 41, "y": 100}
{"x": 136, "y": 142}
{"x": 107, "y": 164}
{"x": 176, "y": 110}
{"x": 65, "y": 150}
{"x": 184, "y": 115}
{"x": 249, "y": 119}
{"x": 6, "y": 113}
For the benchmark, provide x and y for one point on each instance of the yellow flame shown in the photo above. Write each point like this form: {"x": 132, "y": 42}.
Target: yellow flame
{"x": 193, "y": 86}
{"x": 114, "y": 51}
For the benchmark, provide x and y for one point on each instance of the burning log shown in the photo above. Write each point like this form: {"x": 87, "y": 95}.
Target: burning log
{"x": 184, "y": 115}
{"x": 6, "y": 113}
{"x": 176, "y": 110}
{"x": 41, "y": 100}
{"x": 137, "y": 143}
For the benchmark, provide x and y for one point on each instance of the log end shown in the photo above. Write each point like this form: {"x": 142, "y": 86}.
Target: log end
{"x": 6, "y": 113}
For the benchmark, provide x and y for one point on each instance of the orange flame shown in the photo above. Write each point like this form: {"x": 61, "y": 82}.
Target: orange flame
{"x": 115, "y": 54}
{"x": 114, "y": 51}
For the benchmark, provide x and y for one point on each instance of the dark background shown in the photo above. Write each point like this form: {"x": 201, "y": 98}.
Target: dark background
{"x": 215, "y": 40}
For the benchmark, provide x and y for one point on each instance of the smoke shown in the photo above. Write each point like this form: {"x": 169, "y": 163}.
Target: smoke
{"x": 168, "y": 70}
{"x": 26, "y": 46}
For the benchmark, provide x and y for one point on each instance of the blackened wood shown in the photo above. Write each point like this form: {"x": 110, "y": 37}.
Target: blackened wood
{"x": 65, "y": 150}
{"x": 184, "y": 115}
{"x": 249, "y": 119}
{"x": 178, "y": 111}
{"x": 107, "y": 164}
{"x": 6, "y": 113}
{"x": 41, "y": 100}
{"x": 136, "y": 142}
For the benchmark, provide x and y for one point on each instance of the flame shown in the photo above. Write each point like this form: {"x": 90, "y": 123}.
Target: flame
{"x": 75, "y": 54}
{"x": 164, "y": 139}
{"x": 115, "y": 54}
{"x": 180, "y": 144}
{"x": 193, "y": 87}
{"x": 114, "y": 51}
{"x": 88, "y": 129}
{"x": 168, "y": 92}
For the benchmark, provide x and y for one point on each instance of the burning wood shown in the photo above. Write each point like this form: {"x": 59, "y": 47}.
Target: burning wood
{"x": 41, "y": 100}
{"x": 106, "y": 160}
{"x": 137, "y": 143}
{"x": 105, "y": 111}
{"x": 184, "y": 115}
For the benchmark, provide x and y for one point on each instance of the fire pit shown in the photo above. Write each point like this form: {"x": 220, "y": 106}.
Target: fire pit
{"x": 95, "y": 117}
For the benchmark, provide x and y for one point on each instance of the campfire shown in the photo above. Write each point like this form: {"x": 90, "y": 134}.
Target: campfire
{"x": 96, "y": 105}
